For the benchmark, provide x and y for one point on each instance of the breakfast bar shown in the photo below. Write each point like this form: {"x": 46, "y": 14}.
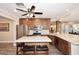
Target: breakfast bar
{"x": 35, "y": 40}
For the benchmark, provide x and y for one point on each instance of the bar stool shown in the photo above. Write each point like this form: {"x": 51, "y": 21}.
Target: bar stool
{"x": 28, "y": 49}
{"x": 42, "y": 48}
{"x": 19, "y": 46}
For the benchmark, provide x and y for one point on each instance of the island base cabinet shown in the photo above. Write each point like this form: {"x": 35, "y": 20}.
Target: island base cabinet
{"x": 62, "y": 45}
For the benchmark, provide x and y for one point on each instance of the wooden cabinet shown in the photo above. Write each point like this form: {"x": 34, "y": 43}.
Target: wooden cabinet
{"x": 30, "y": 22}
{"x": 19, "y": 31}
{"x": 61, "y": 45}
{"x": 58, "y": 26}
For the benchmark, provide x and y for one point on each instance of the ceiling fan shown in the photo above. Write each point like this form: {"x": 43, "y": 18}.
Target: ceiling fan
{"x": 30, "y": 11}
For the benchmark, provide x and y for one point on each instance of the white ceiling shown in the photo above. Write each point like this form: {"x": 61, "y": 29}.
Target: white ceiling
{"x": 50, "y": 10}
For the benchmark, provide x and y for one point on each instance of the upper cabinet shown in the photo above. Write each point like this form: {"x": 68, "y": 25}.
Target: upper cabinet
{"x": 33, "y": 22}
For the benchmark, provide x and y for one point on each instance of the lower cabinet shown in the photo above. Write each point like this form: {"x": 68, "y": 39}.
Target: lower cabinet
{"x": 61, "y": 45}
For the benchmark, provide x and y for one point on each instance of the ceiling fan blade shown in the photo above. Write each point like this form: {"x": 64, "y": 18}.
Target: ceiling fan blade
{"x": 20, "y": 4}
{"x": 38, "y": 13}
{"x": 32, "y": 8}
{"x": 24, "y": 14}
{"x": 21, "y": 10}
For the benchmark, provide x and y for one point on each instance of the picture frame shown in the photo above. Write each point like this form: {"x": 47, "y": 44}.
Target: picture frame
{"x": 4, "y": 27}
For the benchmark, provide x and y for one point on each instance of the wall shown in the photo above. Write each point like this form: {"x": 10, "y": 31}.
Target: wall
{"x": 9, "y": 35}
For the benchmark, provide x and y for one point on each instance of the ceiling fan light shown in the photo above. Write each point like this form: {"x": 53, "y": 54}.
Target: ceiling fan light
{"x": 28, "y": 15}
{"x": 33, "y": 16}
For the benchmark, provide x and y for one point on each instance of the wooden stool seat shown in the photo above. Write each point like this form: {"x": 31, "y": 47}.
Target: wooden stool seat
{"x": 28, "y": 48}
{"x": 43, "y": 48}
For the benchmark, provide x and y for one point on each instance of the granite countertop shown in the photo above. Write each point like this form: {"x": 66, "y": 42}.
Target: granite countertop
{"x": 34, "y": 39}
{"x": 74, "y": 39}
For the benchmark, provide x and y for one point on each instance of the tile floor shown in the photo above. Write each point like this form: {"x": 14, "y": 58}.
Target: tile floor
{"x": 9, "y": 49}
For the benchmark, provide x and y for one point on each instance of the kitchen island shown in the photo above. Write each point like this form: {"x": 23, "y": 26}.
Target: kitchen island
{"x": 35, "y": 41}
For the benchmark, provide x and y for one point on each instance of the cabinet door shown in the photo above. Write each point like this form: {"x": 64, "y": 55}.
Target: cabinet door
{"x": 61, "y": 45}
{"x": 65, "y": 47}
{"x": 56, "y": 41}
